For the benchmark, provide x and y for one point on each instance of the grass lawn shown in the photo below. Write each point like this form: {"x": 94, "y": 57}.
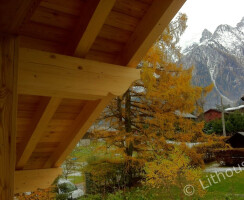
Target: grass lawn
{"x": 227, "y": 189}
{"x": 229, "y": 186}
{"x": 77, "y": 179}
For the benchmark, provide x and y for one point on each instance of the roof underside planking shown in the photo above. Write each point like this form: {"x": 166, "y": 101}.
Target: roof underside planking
{"x": 73, "y": 58}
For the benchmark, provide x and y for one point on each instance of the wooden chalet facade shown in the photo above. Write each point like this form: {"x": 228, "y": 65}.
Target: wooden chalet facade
{"x": 237, "y": 140}
{"x": 62, "y": 61}
{"x": 211, "y": 115}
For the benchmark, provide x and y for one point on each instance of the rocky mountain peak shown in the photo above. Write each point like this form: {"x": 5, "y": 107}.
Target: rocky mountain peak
{"x": 240, "y": 25}
{"x": 241, "y": 22}
{"x": 206, "y": 35}
{"x": 222, "y": 28}
{"x": 218, "y": 59}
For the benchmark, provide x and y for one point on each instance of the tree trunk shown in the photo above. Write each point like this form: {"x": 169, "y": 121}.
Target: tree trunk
{"x": 223, "y": 117}
{"x": 119, "y": 110}
{"x": 128, "y": 129}
{"x": 128, "y": 112}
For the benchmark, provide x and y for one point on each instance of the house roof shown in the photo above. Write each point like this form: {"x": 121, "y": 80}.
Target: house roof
{"x": 73, "y": 57}
{"x": 212, "y": 109}
{"x": 237, "y": 140}
{"x": 241, "y": 133}
{"x": 185, "y": 115}
{"x": 234, "y": 108}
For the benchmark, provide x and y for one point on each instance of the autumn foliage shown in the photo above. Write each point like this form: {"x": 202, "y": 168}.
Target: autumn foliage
{"x": 39, "y": 194}
{"x": 173, "y": 171}
{"x": 141, "y": 125}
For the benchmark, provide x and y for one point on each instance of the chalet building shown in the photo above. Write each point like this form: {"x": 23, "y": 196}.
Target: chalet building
{"x": 211, "y": 114}
{"x": 62, "y": 62}
{"x": 230, "y": 157}
{"x": 237, "y": 140}
{"x": 235, "y": 155}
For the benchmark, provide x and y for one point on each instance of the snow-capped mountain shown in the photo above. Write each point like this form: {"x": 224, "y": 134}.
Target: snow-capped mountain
{"x": 219, "y": 58}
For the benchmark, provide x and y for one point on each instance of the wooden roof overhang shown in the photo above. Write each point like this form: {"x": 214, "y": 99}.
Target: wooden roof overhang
{"x": 61, "y": 64}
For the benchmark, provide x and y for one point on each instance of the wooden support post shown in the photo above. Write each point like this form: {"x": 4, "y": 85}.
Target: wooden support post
{"x": 8, "y": 107}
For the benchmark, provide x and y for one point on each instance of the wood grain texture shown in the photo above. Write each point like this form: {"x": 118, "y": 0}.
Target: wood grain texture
{"x": 45, "y": 112}
{"x": 47, "y": 74}
{"x": 92, "y": 18}
{"x": 40, "y": 44}
{"x": 114, "y": 34}
{"x": 13, "y": 13}
{"x": 31, "y": 180}
{"x": 123, "y": 30}
{"x": 133, "y": 8}
{"x": 8, "y": 110}
{"x": 72, "y": 7}
{"x": 78, "y": 129}
{"x": 122, "y": 21}
{"x": 54, "y": 18}
{"x": 101, "y": 56}
{"x": 44, "y": 32}
{"x": 107, "y": 46}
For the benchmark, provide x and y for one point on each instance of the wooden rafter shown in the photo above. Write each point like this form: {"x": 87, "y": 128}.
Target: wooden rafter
{"x": 91, "y": 21}
{"x": 30, "y": 180}
{"x": 151, "y": 26}
{"x": 48, "y": 74}
{"x": 55, "y": 76}
{"x": 15, "y": 12}
{"x": 87, "y": 116}
{"x": 8, "y": 114}
{"x": 43, "y": 115}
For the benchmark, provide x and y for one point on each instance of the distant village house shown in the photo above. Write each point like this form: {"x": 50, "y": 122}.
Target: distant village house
{"x": 237, "y": 140}
{"x": 211, "y": 114}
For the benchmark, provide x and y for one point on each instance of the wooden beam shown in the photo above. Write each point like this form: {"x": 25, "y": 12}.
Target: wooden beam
{"x": 149, "y": 29}
{"x": 44, "y": 114}
{"x": 91, "y": 21}
{"x": 31, "y": 180}
{"x": 13, "y": 13}
{"x": 8, "y": 110}
{"x": 48, "y": 74}
{"x": 87, "y": 116}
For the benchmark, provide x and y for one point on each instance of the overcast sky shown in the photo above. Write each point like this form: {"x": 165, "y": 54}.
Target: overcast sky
{"x": 209, "y": 14}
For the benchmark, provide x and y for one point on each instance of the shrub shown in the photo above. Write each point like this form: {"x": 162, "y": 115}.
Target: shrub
{"x": 104, "y": 175}
{"x": 234, "y": 122}
{"x": 62, "y": 196}
{"x": 206, "y": 149}
{"x": 66, "y": 187}
{"x": 91, "y": 197}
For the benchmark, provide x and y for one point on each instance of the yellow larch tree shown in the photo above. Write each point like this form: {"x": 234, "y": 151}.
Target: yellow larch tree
{"x": 140, "y": 124}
